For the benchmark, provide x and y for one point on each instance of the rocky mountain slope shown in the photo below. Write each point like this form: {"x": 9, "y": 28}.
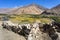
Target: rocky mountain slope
{"x": 28, "y": 9}
{"x": 53, "y": 11}
{"x": 5, "y": 10}
{"x": 56, "y": 9}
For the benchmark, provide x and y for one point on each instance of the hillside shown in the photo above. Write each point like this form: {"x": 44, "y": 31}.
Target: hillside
{"x": 6, "y": 10}
{"x": 28, "y": 9}
{"x": 56, "y": 9}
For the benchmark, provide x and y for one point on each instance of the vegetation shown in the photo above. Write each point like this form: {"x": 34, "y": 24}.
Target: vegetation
{"x": 28, "y": 18}
{"x": 55, "y": 18}
{"x": 31, "y": 18}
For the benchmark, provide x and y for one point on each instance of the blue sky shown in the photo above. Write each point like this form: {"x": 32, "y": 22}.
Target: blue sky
{"x": 17, "y": 3}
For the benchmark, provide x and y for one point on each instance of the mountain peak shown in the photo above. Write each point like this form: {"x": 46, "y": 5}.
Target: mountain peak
{"x": 58, "y": 6}
{"x": 37, "y": 5}
{"x": 33, "y": 4}
{"x": 29, "y": 9}
{"x": 56, "y": 9}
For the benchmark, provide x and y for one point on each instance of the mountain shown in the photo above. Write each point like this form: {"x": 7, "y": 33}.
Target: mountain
{"x": 53, "y": 11}
{"x": 56, "y": 9}
{"x": 6, "y": 10}
{"x": 29, "y": 9}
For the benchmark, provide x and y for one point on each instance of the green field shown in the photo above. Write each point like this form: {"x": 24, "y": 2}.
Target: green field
{"x": 28, "y": 18}
{"x": 31, "y": 18}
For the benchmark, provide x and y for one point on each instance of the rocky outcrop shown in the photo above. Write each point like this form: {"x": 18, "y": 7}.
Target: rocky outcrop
{"x": 36, "y": 31}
